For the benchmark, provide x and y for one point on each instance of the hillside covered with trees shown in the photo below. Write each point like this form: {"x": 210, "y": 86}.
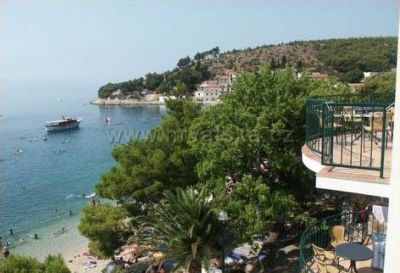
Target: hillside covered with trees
{"x": 345, "y": 59}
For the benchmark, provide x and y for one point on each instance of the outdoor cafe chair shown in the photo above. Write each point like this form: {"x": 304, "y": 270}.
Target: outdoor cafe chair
{"x": 337, "y": 235}
{"x": 326, "y": 268}
{"x": 322, "y": 254}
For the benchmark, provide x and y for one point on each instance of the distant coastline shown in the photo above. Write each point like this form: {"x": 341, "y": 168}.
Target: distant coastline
{"x": 136, "y": 102}
{"x": 124, "y": 102}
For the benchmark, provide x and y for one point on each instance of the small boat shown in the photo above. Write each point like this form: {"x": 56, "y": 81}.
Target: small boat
{"x": 91, "y": 196}
{"x": 107, "y": 120}
{"x": 65, "y": 123}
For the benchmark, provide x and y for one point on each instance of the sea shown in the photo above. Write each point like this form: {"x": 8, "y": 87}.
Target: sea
{"x": 45, "y": 176}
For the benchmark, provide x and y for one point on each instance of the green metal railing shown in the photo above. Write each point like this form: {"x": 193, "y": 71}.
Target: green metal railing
{"x": 359, "y": 228}
{"x": 351, "y": 131}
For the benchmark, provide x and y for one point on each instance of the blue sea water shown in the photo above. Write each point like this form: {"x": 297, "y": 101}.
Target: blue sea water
{"x": 52, "y": 171}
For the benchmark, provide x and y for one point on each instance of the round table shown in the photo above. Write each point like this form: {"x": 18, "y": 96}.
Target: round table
{"x": 354, "y": 252}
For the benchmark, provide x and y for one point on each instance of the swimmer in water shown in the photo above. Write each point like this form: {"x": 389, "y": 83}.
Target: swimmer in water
{"x": 18, "y": 152}
{"x": 11, "y": 231}
{"x": 35, "y": 236}
{"x": 70, "y": 212}
{"x": 59, "y": 231}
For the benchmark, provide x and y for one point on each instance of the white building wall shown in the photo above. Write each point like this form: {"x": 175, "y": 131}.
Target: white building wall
{"x": 392, "y": 255}
{"x": 207, "y": 94}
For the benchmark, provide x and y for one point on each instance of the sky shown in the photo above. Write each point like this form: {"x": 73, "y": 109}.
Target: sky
{"x": 98, "y": 41}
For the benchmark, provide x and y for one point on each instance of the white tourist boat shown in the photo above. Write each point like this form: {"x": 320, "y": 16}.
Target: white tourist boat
{"x": 65, "y": 123}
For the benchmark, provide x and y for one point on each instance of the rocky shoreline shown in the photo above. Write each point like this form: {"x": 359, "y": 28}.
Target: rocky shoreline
{"x": 149, "y": 99}
{"x": 124, "y": 102}
{"x": 137, "y": 102}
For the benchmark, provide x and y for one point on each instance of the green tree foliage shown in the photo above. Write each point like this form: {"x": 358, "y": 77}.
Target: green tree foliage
{"x": 187, "y": 225}
{"x": 180, "y": 90}
{"x": 284, "y": 61}
{"x": 24, "y": 264}
{"x": 198, "y": 56}
{"x": 252, "y": 205}
{"x": 202, "y": 55}
{"x": 106, "y": 90}
{"x": 353, "y": 76}
{"x": 127, "y": 87}
{"x": 385, "y": 82}
{"x": 273, "y": 64}
{"x": 153, "y": 80}
{"x": 55, "y": 264}
{"x": 183, "y": 62}
{"x": 366, "y": 54}
{"x": 20, "y": 264}
{"x": 259, "y": 126}
{"x": 188, "y": 71}
{"x": 104, "y": 226}
{"x": 163, "y": 161}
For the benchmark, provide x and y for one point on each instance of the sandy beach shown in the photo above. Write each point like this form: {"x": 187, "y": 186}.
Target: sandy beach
{"x": 76, "y": 259}
{"x": 71, "y": 245}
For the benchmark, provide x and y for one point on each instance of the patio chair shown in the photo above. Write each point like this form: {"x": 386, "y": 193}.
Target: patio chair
{"x": 337, "y": 235}
{"x": 326, "y": 268}
{"x": 337, "y": 127}
{"x": 377, "y": 124}
{"x": 322, "y": 254}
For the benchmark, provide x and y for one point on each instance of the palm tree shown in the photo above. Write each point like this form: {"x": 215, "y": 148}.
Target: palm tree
{"x": 186, "y": 225}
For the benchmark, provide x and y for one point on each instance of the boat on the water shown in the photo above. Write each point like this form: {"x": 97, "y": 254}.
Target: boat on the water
{"x": 65, "y": 123}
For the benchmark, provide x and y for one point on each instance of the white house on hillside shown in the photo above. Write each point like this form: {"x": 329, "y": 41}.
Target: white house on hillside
{"x": 209, "y": 91}
{"x": 212, "y": 90}
{"x": 369, "y": 74}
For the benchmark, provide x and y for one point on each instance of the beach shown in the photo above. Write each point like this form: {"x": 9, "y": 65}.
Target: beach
{"x": 70, "y": 244}
{"x": 76, "y": 259}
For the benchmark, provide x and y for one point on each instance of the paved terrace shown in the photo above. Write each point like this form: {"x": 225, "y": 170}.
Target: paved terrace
{"x": 362, "y": 267}
{"x": 364, "y": 151}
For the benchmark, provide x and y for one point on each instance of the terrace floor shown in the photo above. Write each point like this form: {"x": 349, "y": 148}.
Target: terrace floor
{"x": 352, "y": 153}
{"x": 362, "y": 267}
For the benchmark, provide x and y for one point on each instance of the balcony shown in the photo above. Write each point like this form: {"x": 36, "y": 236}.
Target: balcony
{"x": 359, "y": 227}
{"x": 349, "y": 138}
